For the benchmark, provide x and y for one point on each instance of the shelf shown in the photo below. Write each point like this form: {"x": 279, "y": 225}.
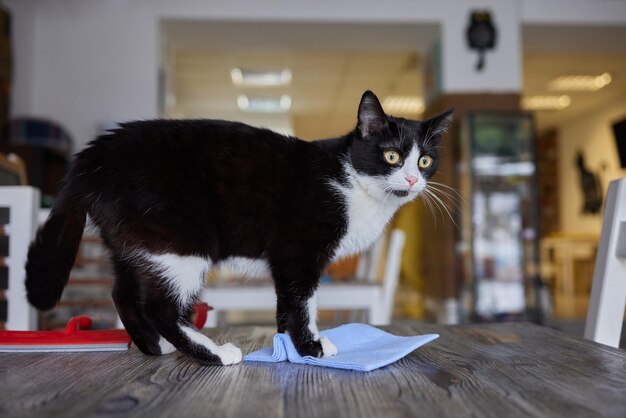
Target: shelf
{"x": 100, "y": 303}
{"x": 89, "y": 288}
{"x": 81, "y": 261}
{"x": 91, "y": 239}
{"x": 95, "y": 281}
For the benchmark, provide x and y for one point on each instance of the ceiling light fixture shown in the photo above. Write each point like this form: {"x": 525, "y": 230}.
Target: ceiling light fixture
{"x": 263, "y": 104}
{"x": 260, "y": 78}
{"x": 580, "y": 82}
{"x": 546, "y": 102}
{"x": 403, "y": 105}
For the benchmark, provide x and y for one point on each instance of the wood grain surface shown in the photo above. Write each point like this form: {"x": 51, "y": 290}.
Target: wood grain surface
{"x": 500, "y": 370}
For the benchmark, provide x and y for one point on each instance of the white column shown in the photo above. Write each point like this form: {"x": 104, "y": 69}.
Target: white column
{"x": 502, "y": 72}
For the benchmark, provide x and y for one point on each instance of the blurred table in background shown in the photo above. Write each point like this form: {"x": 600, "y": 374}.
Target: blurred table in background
{"x": 567, "y": 263}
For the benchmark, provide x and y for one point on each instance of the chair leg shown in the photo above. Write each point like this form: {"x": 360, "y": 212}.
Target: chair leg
{"x": 211, "y": 319}
{"x": 376, "y": 315}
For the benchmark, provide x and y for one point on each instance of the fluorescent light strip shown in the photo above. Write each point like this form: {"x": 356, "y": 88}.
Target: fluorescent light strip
{"x": 260, "y": 78}
{"x": 403, "y": 105}
{"x": 262, "y": 104}
{"x": 580, "y": 82}
{"x": 546, "y": 102}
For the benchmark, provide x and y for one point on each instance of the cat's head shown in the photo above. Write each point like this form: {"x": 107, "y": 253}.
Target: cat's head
{"x": 394, "y": 157}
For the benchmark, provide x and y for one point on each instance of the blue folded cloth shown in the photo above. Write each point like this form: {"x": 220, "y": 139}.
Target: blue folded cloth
{"x": 359, "y": 347}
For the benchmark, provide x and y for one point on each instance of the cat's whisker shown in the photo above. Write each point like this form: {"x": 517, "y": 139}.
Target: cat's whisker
{"x": 427, "y": 201}
{"x": 436, "y": 183}
{"x": 449, "y": 192}
{"x": 427, "y": 132}
{"x": 452, "y": 202}
{"x": 457, "y": 201}
{"x": 383, "y": 192}
{"x": 435, "y": 203}
{"x": 442, "y": 204}
{"x": 429, "y": 138}
{"x": 436, "y": 132}
{"x": 389, "y": 190}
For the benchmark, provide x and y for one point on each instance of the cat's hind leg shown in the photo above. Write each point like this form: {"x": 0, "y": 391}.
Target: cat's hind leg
{"x": 176, "y": 284}
{"x": 127, "y": 298}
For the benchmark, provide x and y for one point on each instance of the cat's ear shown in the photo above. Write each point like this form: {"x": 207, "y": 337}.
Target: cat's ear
{"x": 371, "y": 117}
{"x": 438, "y": 125}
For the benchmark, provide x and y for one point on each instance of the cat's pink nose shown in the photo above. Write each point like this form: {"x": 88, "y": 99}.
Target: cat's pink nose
{"x": 411, "y": 179}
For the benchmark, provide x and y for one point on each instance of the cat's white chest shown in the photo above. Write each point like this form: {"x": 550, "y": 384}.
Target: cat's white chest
{"x": 367, "y": 218}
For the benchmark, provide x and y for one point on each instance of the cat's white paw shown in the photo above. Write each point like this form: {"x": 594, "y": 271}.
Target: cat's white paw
{"x": 166, "y": 346}
{"x": 228, "y": 354}
{"x": 328, "y": 348}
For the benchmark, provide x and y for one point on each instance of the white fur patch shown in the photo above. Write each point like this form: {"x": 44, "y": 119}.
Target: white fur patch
{"x": 166, "y": 346}
{"x": 250, "y": 267}
{"x": 328, "y": 348}
{"x": 311, "y": 305}
{"x": 367, "y": 218}
{"x": 228, "y": 353}
{"x": 184, "y": 276}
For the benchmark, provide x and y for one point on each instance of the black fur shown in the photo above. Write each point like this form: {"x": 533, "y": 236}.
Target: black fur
{"x": 213, "y": 189}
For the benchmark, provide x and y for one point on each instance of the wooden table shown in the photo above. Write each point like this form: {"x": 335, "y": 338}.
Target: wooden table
{"x": 500, "y": 370}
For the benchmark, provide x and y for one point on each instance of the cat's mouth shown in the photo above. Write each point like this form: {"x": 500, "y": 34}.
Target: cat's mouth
{"x": 413, "y": 191}
{"x": 401, "y": 193}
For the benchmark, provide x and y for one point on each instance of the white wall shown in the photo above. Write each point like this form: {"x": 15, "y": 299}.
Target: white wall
{"x": 23, "y": 27}
{"x": 593, "y": 135}
{"x": 97, "y": 60}
{"x": 93, "y": 61}
{"x": 502, "y": 72}
{"x": 572, "y": 12}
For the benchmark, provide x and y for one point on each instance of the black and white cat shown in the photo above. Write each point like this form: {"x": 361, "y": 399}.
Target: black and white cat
{"x": 175, "y": 198}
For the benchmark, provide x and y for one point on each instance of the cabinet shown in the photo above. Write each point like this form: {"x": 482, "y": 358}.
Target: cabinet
{"x": 500, "y": 231}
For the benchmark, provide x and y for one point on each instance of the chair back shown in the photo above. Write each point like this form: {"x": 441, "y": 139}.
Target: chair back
{"x": 607, "y": 302}
{"x": 384, "y": 259}
{"x": 19, "y": 207}
{"x": 369, "y": 262}
{"x": 391, "y": 275}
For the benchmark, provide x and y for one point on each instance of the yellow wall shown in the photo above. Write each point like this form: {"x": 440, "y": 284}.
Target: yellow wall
{"x": 412, "y": 282}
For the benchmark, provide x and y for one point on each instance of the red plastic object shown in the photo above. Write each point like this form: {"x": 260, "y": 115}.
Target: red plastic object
{"x": 75, "y": 337}
{"x": 201, "y": 313}
{"x": 78, "y": 337}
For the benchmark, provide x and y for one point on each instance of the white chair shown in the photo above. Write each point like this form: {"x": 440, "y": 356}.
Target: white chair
{"x": 21, "y": 203}
{"x": 608, "y": 293}
{"x": 364, "y": 293}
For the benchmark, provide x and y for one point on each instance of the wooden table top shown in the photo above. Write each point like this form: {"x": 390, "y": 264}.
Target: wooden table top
{"x": 498, "y": 370}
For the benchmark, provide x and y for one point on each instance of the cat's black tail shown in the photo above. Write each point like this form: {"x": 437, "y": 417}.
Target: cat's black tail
{"x": 52, "y": 253}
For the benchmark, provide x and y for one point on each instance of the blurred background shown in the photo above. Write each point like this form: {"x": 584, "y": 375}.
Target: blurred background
{"x": 539, "y": 88}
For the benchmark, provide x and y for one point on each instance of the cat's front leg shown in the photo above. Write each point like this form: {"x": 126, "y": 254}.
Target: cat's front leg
{"x": 296, "y": 315}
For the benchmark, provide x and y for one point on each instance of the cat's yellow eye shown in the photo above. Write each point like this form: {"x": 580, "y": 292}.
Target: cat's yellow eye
{"x": 392, "y": 157}
{"x": 425, "y": 161}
